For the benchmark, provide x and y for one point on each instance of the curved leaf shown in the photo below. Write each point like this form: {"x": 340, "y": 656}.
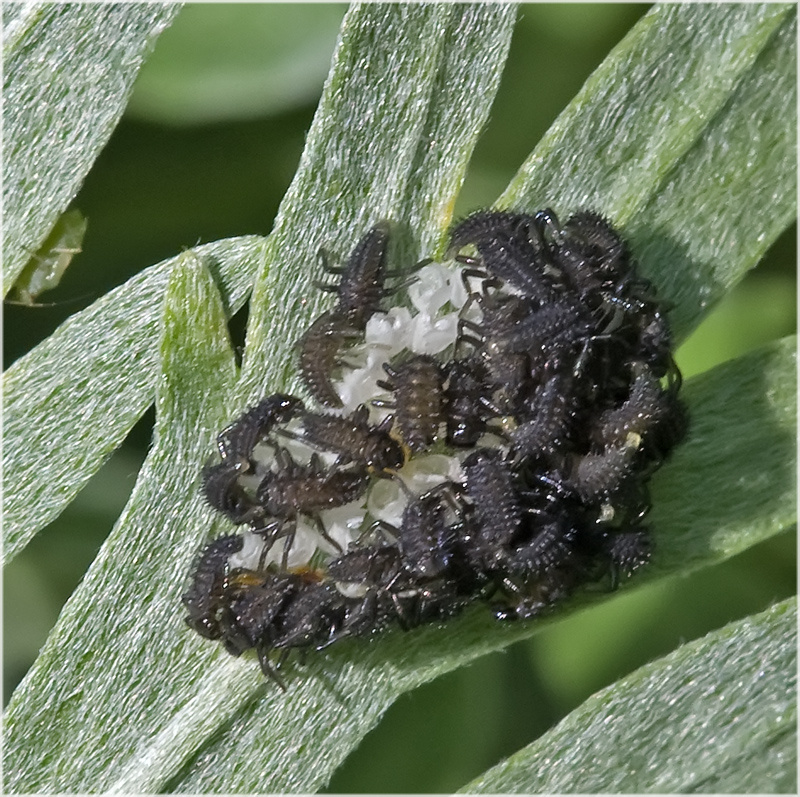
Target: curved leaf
{"x": 717, "y": 715}
{"x": 685, "y": 136}
{"x": 70, "y": 402}
{"x": 82, "y": 390}
{"x": 110, "y": 640}
{"x": 133, "y": 701}
{"x": 68, "y": 71}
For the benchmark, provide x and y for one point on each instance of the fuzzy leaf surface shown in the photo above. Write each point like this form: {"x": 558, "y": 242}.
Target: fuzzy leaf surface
{"x": 685, "y": 137}
{"x": 68, "y": 70}
{"x": 408, "y": 94}
{"x": 717, "y": 715}
{"x": 118, "y": 674}
{"x": 70, "y": 402}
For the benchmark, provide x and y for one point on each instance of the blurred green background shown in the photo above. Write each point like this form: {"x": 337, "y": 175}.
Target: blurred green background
{"x": 206, "y": 150}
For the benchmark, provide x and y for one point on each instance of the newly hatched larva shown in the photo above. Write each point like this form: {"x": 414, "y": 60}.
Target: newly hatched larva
{"x": 355, "y": 440}
{"x": 600, "y": 475}
{"x": 312, "y": 618}
{"x": 203, "y": 599}
{"x": 509, "y": 371}
{"x": 237, "y": 441}
{"x": 467, "y": 402}
{"x": 417, "y": 385}
{"x": 319, "y": 349}
{"x": 423, "y": 536}
{"x": 550, "y": 410}
{"x": 293, "y": 489}
{"x": 627, "y": 552}
{"x": 495, "y": 510}
{"x": 508, "y": 251}
{"x": 552, "y": 545}
{"x": 361, "y": 283}
{"x": 253, "y": 603}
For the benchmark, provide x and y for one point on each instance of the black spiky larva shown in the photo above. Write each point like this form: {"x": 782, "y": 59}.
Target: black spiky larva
{"x": 223, "y": 491}
{"x": 467, "y": 402}
{"x": 600, "y": 475}
{"x": 295, "y": 489}
{"x": 423, "y": 536}
{"x": 482, "y": 225}
{"x": 354, "y": 440}
{"x": 511, "y": 249}
{"x": 627, "y": 551}
{"x": 644, "y": 407}
{"x": 237, "y": 441}
{"x": 495, "y": 512}
{"x": 252, "y": 605}
{"x": 203, "y": 599}
{"x": 508, "y": 370}
{"x": 417, "y": 385}
{"x": 361, "y": 283}
{"x": 553, "y": 545}
{"x": 312, "y": 618}
{"x": 591, "y": 253}
{"x": 359, "y": 291}
{"x": 550, "y": 409}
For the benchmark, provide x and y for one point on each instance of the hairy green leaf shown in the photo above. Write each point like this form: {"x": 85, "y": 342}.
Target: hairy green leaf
{"x": 70, "y": 402}
{"x": 137, "y": 703}
{"x": 115, "y": 677}
{"x": 717, "y": 715}
{"x": 68, "y": 70}
{"x": 685, "y": 137}
{"x": 81, "y": 391}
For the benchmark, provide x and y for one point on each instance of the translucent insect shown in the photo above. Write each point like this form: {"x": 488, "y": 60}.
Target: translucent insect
{"x": 319, "y": 351}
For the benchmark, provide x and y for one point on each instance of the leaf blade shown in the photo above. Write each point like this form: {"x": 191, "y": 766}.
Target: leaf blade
{"x": 63, "y": 64}
{"x": 694, "y": 92}
{"x": 716, "y": 715}
{"x": 80, "y": 391}
{"x": 101, "y": 652}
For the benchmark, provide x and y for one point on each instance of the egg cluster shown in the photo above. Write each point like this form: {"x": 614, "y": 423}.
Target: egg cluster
{"x": 493, "y": 446}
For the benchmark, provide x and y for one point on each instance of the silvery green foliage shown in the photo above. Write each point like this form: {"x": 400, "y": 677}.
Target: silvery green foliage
{"x": 122, "y": 697}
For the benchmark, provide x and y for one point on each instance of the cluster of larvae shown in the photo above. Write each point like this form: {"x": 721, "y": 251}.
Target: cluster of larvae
{"x": 488, "y": 438}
